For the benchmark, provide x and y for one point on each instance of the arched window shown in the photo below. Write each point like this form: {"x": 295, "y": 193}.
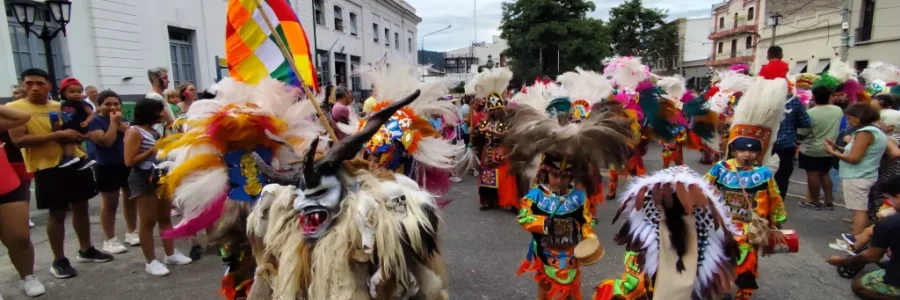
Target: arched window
{"x": 721, "y": 22}
{"x": 320, "y": 15}
{"x": 338, "y": 18}
{"x": 750, "y": 14}
{"x": 353, "y": 24}
{"x": 749, "y": 42}
{"x": 735, "y": 19}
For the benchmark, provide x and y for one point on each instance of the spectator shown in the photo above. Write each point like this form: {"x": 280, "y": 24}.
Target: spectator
{"x": 340, "y": 112}
{"x": 15, "y": 155}
{"x": 14, "y": 210}
{"x": 188, "y": 94}
{"x": 90, "y": 93}
{"x": 370, "y": 102}
{"x": 18, "y": 93}
{"x": 159, "y": 81}
{"x": 76, "y": 114}
{"x": 139, "y": 155}
{"x": 107, "y": 133}
{"x": 889, "y": 167}
{"x": 882, "y": 101}
{"x": 786, "y": 145}
{"x": 58, "y": 190}
{"x": 173, "y": 99}
{"x": 885, "y": 283}
{"x": 825, "y": 121}
{"x": 859, "y": 161}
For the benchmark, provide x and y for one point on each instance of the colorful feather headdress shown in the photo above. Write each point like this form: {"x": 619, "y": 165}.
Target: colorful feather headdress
{"x": 723, "y": 93}
{"x": 842, "y": 81}
{"x": 881, "y": 76}
{"x": 491, "y": 85}
{"x": 550, "y": 97}
{"x": 758, "y": 115}
{"x": 585, "y": 88}
{"x": 409, "y": 127}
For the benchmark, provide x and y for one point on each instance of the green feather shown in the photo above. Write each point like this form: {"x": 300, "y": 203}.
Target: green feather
{"x": 828, "y": 81}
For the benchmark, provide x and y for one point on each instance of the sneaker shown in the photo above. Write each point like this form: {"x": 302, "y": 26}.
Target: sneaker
{"x": 829, "y": 206}
{"x": 68, "y": 161}
{"x": 455, "y": 179}
{"x": 810, "y": 205}
{"x": 30, "y": 224}
{"x": 32, "y": 286}
{"x": 196, "y": 252}
{"x": 93, "y": 255}
{"x": 156, "y": 268}
{"x": 87, "y": 164}
{"x": 177, "y": 259}
{"x": 113, "y": 246}
{"x": 63, "y": 269}
{"x": 841, "y": 245}
{"x": 132, "y": 239}
{"x": 849, "y": 238}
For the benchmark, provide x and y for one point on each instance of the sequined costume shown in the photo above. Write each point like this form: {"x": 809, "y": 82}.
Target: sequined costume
{"x": 497, "y": 187}
{"x": 673, "y": 152}
{"x": 673, "y": 251}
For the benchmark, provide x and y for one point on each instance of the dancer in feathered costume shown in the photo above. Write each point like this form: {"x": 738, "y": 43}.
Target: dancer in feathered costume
{"x": 841, "y": 79}
{"x": 745, "y": 182}
{"x": 678, "y": 238}
{"x": 718, "y": 102}
{"x": 497, "y": 186}
{"x": 586, "y": 89}
{"x": 334, "y": 230}
{"x": 408, "y": 144}
{"x": 212, "y": 174}
{"x": 687, "y": 123}
{"x": 556, "y": 212}
{"x": 628, "y": 76}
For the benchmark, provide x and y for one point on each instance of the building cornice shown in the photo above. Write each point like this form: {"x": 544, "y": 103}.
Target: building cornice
{"x": 405, "y": 12}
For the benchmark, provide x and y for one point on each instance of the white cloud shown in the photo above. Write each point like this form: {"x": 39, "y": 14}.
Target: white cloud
{"x": 437, "y": 14}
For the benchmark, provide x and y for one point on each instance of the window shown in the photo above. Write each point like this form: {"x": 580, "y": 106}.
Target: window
{"x": 355, "y": 81}
{"x": 387, "y": 37}
{"x": 864, "y": 33}
{"x": 799, "y": 67}
{"x": 750, "y": 14}
{"x": 733, "y": 48}
{"x": 736, "y": 19}
{"x": 181, "y": 51}
{"x": 375, "y": 32}
{"x": 749, "y": 42}
{"x": 28, "y": 52}
{"x": 822, "y": 66}
{"x": 338, "y": 18}
{"x": 720, "y": 47}
{"x": 353, "y": 24}
{"x": 721, "y": 22}
{"x": 409, "y": 44}
{"x": 320, "y": 16}
{"x": 324, "y": 69}
{"x": 397, "y": 40}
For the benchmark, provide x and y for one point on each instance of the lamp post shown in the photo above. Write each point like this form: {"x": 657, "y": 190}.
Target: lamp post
{"x": 25, "y": 12}
{"x": 423, "y": 45}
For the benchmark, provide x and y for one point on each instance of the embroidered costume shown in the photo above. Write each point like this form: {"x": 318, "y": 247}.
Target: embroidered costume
{"x": 556, "y": 211}
{"x": 496, "y": 185}
{"x": 678, "y": 239}
{"x": 748, "y": 187}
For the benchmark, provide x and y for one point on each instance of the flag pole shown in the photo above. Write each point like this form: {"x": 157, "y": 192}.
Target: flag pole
{"x": 290, "y": 58}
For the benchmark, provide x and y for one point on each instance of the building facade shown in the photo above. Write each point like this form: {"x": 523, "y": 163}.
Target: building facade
{"x": 111, "y": 44}
{"x": 461, "y": 64}
{"x": 810, "y": 36}
{"x": 693, "y": 52}
{"x": 876, "y": 33}
{"x": 734, "y": 35}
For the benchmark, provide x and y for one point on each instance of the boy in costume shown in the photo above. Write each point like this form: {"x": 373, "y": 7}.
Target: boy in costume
{"x": 745, "y": 182}
{"x": 556, "y": 212}
{"x": 676, "y": 231}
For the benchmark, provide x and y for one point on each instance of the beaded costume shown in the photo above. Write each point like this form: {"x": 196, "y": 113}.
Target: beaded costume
{"x": 748, "y": 187}
{"x": 678, "y": 239}
{"x": 496, "y": 185}
{"x": 559, "y": 217}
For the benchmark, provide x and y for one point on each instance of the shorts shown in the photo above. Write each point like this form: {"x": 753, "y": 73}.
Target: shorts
{"x": 15, "y": 195}
{"x": 856, "y": 192}
{"x": 139, "y": 183}
{"x": 56, "y": 188}
{"x": 815, "y": 164}
{"x": 111, "y": 178}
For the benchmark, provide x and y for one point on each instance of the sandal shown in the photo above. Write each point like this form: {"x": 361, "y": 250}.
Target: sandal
{"x": 829, "y": 206}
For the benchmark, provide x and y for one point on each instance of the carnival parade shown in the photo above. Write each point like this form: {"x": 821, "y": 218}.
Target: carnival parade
{"x": 610, "y": 178}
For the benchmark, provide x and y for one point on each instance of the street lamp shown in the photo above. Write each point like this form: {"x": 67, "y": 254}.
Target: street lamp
{"x": 433, "y": 32}
{"x": 25, "y": 13}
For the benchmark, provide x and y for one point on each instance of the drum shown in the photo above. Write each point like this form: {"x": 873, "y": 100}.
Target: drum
{"x": 589, "y": 251}
{"x": 790, "y": 245}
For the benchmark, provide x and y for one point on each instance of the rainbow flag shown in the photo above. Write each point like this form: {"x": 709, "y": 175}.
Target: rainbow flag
{"x": 250, "y": 47}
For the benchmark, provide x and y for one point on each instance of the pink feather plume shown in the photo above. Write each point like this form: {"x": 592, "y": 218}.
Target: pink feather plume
{"x": 189, "y": 227}
{"x": 852, "y": 88}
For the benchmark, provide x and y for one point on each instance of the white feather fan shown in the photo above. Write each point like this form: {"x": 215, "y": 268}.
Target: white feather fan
{"x": 489, "y": 81}
{"x": 627, "y": 72}
{"x": 842, "y": 71}
{"x": 673, "y": 87}
{"x": 399, "y": 80}
{"x": 586, "y": 85}
{"x": 539, "y": 95}
{"x": 730, "y": 83}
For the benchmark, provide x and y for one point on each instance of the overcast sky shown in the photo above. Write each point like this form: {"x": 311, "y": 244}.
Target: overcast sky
{"x": 437, "y": 14}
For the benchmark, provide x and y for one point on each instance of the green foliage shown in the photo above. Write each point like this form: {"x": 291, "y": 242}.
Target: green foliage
{"x": 541, "y": 32}
{"x": 639, "y": 31}
{"x": 459, "y": 88}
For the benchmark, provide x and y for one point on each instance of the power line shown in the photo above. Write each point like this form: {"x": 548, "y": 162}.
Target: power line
{"x": 801, "y": 7}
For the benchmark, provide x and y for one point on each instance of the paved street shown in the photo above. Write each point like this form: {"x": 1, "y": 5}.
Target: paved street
{"x": 482, "y": 251}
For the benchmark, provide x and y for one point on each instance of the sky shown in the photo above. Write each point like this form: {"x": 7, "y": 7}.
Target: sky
{"x": 438, "y": 14}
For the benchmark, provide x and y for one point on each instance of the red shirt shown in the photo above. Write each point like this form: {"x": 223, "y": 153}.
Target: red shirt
{"x": 9, "y": 181}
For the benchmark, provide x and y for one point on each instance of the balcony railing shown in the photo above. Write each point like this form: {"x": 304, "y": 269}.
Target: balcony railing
{"x": 733, "y": 27}
{"x": 739, "y": 56}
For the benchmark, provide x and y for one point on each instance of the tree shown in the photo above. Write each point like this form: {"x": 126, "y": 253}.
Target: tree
{"x": 548, "y": 37}
{"x": 640, "y": 31}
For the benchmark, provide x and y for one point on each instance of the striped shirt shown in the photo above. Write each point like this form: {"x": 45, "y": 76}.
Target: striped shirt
{"x": 148, "y": 140}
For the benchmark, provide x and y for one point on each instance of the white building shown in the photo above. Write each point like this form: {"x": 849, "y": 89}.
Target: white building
{"x": 111, "y": 44}
{"x": 693, "y": 54}
{"x": 461, "y": 64}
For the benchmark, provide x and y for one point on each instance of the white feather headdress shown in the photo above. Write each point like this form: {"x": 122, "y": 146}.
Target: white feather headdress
{"x": 627, "y": 72}
{"x": 763, "y": 105}
{"x": 881, "y": 71}
{"x": 842, "y": 71}
{"x": 586, "y": 85}
{"x": 673, "y": 87}
{"x": 490, "y": 81}
{"x": 730, "y": 82}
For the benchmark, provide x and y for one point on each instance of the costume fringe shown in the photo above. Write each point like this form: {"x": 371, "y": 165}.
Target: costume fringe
{"x": 558, "y": 291}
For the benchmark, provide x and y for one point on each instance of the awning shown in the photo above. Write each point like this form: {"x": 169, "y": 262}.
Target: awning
{"x": 800, "y": 67}
{"x": 822, "y": 66}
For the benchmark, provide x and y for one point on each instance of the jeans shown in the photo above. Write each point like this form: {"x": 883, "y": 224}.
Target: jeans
{"x": 835, "y": 180}
{"x": 785, "y": 169}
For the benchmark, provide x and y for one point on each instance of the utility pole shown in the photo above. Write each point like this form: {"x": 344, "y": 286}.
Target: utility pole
{"x": 845, "y": 30}
{"x": 776, "y": 19}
